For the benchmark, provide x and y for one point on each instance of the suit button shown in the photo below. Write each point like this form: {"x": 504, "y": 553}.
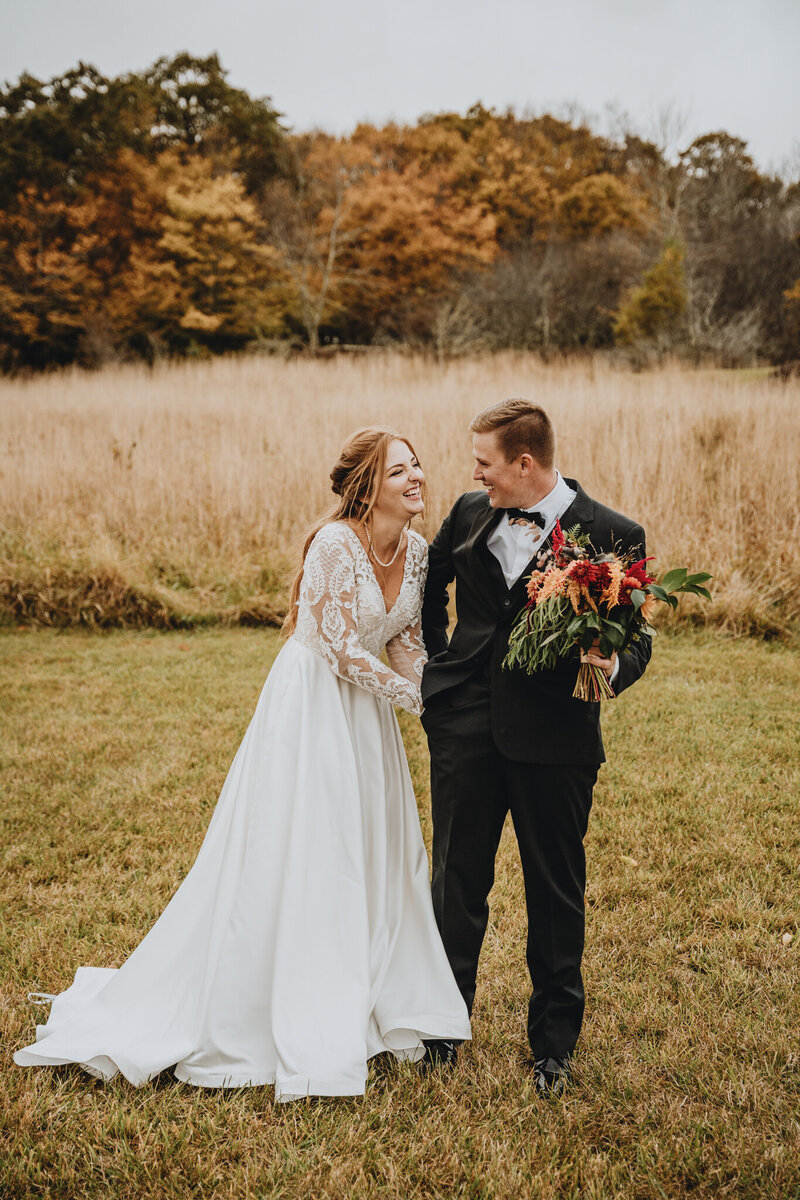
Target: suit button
{"x": 506, "y": 604}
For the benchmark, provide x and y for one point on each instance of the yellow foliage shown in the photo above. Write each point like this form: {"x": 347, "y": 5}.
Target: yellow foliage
{"x": 598, "y": 204}
{"x": 205, "y": 322}
{"x": 653, "y": 309}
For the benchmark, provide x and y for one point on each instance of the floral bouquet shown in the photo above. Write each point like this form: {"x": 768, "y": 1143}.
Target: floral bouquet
{"x": 576, "y": 597}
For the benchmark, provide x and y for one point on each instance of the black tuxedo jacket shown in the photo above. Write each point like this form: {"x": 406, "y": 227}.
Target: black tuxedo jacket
{"x": 534, "y": 717}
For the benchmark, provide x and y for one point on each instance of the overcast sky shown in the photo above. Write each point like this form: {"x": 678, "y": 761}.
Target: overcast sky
{"x": 722, "y": 64}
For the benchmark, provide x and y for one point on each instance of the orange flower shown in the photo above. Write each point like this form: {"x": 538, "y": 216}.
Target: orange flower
{"x": 648, "y": 608}
{"x": 610, "y": 596}
{"x": 552, "y": 585}
{"x": 533, "y": 585}
{"x": 574, "y": 592}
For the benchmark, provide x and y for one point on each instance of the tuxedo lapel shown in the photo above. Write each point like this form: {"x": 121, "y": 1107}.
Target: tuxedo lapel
{"x": 483, "y": 525}
{"x": 580, "y": 512}
{"x": 476, "y": 543}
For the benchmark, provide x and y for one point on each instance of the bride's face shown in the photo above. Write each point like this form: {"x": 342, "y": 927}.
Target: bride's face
{"x": 399, "y": 497}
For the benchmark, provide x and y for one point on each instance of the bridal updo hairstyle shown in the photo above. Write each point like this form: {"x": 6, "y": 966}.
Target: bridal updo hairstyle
{"x": 356, "y": 480}
{"x": 520, "y": 428}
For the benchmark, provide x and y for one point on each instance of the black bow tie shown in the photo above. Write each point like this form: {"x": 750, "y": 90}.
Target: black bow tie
{"x": 522, "y": 514}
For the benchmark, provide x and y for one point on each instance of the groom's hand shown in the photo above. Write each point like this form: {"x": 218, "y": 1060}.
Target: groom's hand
{"x": 594, "y": 657}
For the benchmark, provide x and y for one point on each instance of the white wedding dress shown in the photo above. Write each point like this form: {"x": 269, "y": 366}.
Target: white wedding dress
{"x": 302, "y": 941}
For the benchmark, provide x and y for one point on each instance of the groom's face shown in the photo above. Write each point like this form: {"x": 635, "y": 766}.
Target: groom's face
{"x": 504, "y": 481}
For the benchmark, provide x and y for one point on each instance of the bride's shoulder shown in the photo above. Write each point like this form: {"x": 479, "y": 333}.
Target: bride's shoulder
{"x": 335, "y": 539}
{"x": 417, "y": 545}
{"x": 334, "y": 532}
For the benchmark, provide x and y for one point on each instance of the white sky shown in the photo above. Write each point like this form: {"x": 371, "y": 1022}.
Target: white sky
{"x": 722, "y": 64}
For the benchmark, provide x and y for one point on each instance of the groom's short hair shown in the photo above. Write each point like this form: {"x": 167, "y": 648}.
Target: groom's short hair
{"x": 521, "y": 428}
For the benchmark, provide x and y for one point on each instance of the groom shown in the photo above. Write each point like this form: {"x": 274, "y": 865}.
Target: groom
{"x": 503, "y": 741}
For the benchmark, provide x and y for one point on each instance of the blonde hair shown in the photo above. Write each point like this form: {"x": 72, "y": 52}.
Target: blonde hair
{"x": 521, "y": 428}
{"x": 356, "y": 478}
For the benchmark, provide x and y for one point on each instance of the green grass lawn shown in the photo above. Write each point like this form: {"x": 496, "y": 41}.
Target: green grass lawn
{"x": 687, "y": 1081}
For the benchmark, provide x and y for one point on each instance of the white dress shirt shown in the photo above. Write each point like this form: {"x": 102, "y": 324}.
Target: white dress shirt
{"x": 515, "y": 545}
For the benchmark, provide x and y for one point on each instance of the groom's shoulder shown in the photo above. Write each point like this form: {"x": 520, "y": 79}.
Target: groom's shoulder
{"x": 602, "y": 515}
{"x": 470, "y": 505}
{"x": 465, "y": 510}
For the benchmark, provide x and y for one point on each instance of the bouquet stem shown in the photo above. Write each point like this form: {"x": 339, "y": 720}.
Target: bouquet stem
{"x": 592, "y": 684}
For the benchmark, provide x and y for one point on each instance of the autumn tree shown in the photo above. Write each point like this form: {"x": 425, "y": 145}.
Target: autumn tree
{"x": 55, "y": 134}
{"x": 412, "y": 239}
{"x": 166, "y": 210}
{"x": 306, "y": 220}
{"x": 555, "y": 296}
{"x": 372, "y": 230}
{"x": 597, "y": 205}
{"x": 488, "y": 168}
{"x": 69, "y": 271}
{"x": 197, "y": 108}
{"x": 224, "y": 275}
{"x": 652, "y": 312}
{"x": 153, "y": 258}
{"x": 740, "y": 258}
{"x": 41, "y": 295}
{"x": 90, "y": 190}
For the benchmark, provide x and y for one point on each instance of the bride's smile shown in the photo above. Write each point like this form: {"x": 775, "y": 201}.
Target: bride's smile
{"x": 400, "y": 497}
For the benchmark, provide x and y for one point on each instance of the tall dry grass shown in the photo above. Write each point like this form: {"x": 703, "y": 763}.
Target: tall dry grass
{"x": 179, "y": 495}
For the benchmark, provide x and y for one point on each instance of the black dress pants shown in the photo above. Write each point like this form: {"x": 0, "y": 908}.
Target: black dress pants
{"x": 473, "y": 787}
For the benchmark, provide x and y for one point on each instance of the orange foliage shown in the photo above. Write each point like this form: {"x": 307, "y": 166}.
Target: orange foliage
{"x": 409, "y": 232}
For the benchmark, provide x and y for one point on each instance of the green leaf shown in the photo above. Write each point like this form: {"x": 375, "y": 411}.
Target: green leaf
{"x": 638, "y": 598}
{"x": 696, "y": 590}
{"x": 656, "y": 590}
{"x": 673, "y": 580}
{"x": 614, "y": 636}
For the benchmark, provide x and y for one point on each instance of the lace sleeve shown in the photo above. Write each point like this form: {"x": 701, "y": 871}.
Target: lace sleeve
{"x": 328, "y": 596}
{"x": 406, "y": 650}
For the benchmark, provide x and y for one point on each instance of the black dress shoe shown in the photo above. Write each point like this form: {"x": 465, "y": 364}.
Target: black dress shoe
{"x": 438, "y": 1053}
{"x": 552, "y": 1075}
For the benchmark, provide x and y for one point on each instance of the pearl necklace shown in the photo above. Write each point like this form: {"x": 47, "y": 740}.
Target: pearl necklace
{"x": 394, "y": 556}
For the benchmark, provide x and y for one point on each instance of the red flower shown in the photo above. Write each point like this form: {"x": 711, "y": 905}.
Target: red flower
{"x": 629, "y": 584}
{"x": 558, "y": 540}
{"x": 591, "y": 575}
{"x": 637, "y": 571}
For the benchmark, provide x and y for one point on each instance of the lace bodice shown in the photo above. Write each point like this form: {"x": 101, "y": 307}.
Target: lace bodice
{"x": 342, "y": 615}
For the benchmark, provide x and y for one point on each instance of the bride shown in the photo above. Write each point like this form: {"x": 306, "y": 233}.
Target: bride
{"x": 302, "y": 941}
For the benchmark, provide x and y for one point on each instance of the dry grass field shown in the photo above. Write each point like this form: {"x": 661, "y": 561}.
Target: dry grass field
{"x": 178, "y": 496}
{"x": 687, "y": 1077}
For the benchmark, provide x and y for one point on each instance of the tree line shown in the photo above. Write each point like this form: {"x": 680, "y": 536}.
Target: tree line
{"x": 168, "y": 213}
